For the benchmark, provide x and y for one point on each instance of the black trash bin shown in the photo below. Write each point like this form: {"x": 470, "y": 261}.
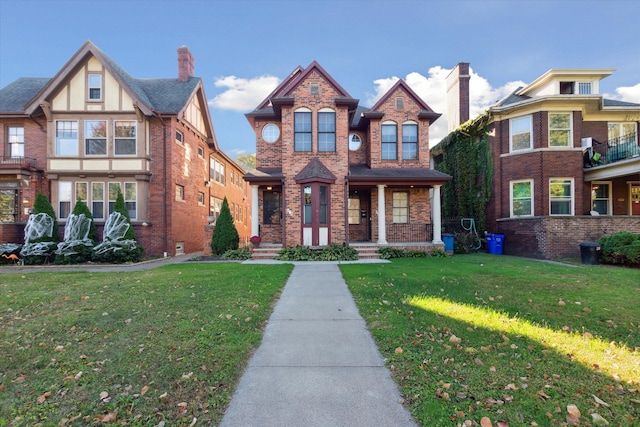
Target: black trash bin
{"x": 589, "y": 252}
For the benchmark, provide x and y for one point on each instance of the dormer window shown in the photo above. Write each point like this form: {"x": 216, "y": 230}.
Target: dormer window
{"x": 95, "y": 87}
{"x": 584, "y": 88}
{"x": 575, "y": 88}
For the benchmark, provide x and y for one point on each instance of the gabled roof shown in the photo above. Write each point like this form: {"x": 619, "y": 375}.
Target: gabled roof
{"x": 16, "y": 95}
{"x": 315, "y": 170}
{"x": 282, "y": 95}
{"x": 426, "y": 111}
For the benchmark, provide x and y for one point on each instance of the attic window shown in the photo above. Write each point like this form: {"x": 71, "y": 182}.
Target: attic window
{"x": 399, "y": 103}
{"x": 95, "y": 87}
{"x": 314, "y": 88}
{"x": 566, "y": 88}
{"x": 584, "y": 88}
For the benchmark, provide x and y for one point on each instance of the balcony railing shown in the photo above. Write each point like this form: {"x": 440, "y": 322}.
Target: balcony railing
{"x": 614, "y": 150}
{"x": 13, "y": 161}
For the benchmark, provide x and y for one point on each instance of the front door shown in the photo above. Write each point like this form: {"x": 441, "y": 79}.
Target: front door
{"x": 635, "y": 199}
{"x": 315, "y": 215}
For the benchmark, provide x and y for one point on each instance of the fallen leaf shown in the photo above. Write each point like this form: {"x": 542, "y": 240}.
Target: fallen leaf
{"x": 561, "y": 303}
{"x": 455, "y": 340}
{"x": 399, "y": 350}
{"x": 598, "y": 420}
{"x": 144, "y": 390}
{"x": 109, "y": 418}
{"x": 573, "y": 416}
{"x": 182, "y": 408}
{"x": 59, "y": 348}
{"x": 43, "y": 397}
{"x": 600, "y": 401}
{"x": 485, "y": 422}
{"x": 103, "y": 395}
{"x": 20, "y": 379}
{"x": 502, "y": 424}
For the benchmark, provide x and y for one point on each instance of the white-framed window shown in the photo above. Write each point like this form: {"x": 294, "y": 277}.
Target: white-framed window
{"x": 131, "y": 198}
{"x": 584, "y": 88}
{"x": 82, "y": 192}
{"x": 97, "y": 200}
{"x": 15, "y": 136}
{"x": 270, "y": 132}
{"x": 561, "y": 196}
{"x": 354, "y": 142}
{"x": 389, "y": 142}
{"x": 217, "y": 171}
{"x": 66, "y": 138}
{"x": 125, "y": 132}
{"x": 400, "y": 207}
{"x": 180, "y": 193}
{"x": 95, "y": 137}
{"x": 410, "y": 141}
{"x": 560, "y": 130}
{"x": 215, "y": 205}
{"x": 601, "y": 197}
{"x": 64, "y": 199}
{"x": 623, "y": 132}
{"x": 520, "y": 133}
{"x": 179, "y": 137}
{"x": 521, "y": 198}
{"x": 95, "y": 86}
{"x": 302, "y": 130}
{"x": 200, "y": 198}
{"x": 200, "y": 152}
{"x": 326, "y": 130}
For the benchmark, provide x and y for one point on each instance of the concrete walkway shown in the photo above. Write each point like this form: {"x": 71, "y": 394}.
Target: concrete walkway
{"x": 317, "y": 364}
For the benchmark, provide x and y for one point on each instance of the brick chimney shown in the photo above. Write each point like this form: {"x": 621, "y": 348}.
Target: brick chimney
{"x": 458, "y": 95}
{"x": 185, "y": 64}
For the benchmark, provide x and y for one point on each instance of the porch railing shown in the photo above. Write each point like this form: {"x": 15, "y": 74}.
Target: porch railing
{"x": 614, "y": 150}
{"x": 413, "y": 232}
{"x": 17, "y": 161}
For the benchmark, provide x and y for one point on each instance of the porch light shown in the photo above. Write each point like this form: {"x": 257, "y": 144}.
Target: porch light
{"x": 269, "y": 188}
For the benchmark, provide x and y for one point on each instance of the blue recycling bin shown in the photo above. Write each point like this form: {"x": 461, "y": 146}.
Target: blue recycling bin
{"x": 448, "y": 242}
{"x": 494, "y": 243}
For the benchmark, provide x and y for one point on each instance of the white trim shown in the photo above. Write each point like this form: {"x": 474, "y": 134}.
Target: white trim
{"x": 519, "y": 181}
{"x": 609, "y": 199}
{"x": 570, "y": 139}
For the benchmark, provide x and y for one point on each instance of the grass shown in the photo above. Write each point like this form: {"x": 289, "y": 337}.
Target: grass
{"x": 517, "y": 341}
{"x": 137, "y": 348}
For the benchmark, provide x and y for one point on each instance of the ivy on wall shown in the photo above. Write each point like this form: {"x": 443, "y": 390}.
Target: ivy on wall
{"x": 464, "y": 154}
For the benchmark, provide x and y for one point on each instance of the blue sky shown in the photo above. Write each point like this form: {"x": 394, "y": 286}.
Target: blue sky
{"x": 243, "y": 48}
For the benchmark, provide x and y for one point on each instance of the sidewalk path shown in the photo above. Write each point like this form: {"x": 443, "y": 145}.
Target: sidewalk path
{"x": 317, "y": 364}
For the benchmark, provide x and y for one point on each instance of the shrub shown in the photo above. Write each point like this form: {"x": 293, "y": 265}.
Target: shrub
{"x": 241, "y": 254}
{"x": 81, "y": 208}
{"x": 334, "y": 252}
{"x": 121, "y": 208}
{"x": 42, "y": 205}
{"x": 620, "y": 248}
{"x": 390, "y": 253}
{"x": 123, "y": 255}
{"x": 225, "y": 235}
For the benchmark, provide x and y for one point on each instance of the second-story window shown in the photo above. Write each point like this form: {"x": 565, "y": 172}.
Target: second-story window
{"x": 559, "y": 129}
{"x": 95, "y": 137}
{"x": 15, "y": 136}
{"x": 66, "y": 138}
{"x": 409, "y": 141}
{"x": 125, "y": 137}
{"x": 95, "y": 87}
{"x": 521, "y": 133}
{"x": 216, "y": 171}
{"x": 389, "y": 148}
{"x": 302, "y": 130}
{"x": 326, "y": 131}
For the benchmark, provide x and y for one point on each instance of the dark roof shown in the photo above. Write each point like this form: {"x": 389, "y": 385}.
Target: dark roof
{"x": 16, "y": 95}
{"x": 315, "y": 170}
{"x": 362, "y": 173}
{"x": 264, "y": 175}
{"x": 616, "y": 103}
{"x": 358, "y": 117}
{"x": 166, "y": 95}
{"x": 512, "y": 98}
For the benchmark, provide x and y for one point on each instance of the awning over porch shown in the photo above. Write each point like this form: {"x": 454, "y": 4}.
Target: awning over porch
{"x": 363, "y": 174}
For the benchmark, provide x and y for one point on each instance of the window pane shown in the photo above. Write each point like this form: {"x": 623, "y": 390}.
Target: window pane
{"x": 559, "y": 130}
{"x": 521, "y": 199}
{"x": 16, "y": 141}
{"x": 8, "y": 205}
{"x": 401, "y": 207}
{"x": 271, "y": 208}
{"x": 560, "y": 194}
{"x": 125, "y": 137}
{"x": 324, "y": 198}
{"x": 521, "y": 133}
{"x": 354, "y": 210}
{"x": 95, "y": 134}
{"x": 67, "y": 138}
{"x": 130, "y": 198}
{"x": 81, "y": 191}
{"x": 307, "y": 205}
{"x": 64, "y": 199}
{"x": 97, "y": 200}
{"x": 302, "y": 131}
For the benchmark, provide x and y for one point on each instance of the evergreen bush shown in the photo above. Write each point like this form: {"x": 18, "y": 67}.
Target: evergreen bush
{"x": 42, "y": 205}
{"x": 225, "y": 235}
{"x": 81, "y": 208}
{"x": 621, "y": 248}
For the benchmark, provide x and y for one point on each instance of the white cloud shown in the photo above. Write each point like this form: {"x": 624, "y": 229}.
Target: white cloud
{"x": 629, "y": 93}
{"x": 243, "y": 94}
{"x": 433, "y": 90}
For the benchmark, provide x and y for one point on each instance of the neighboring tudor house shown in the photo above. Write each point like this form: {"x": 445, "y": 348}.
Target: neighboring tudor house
{"x": 566, "y": 164}
{"x": 93, "y": 129}
{"x": 331, "y": 171}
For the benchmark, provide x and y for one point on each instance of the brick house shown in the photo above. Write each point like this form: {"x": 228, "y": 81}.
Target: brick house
{"x": 332, "y": 171}
{"x": 93, "y": 129}
{"x": 566, "y": 164}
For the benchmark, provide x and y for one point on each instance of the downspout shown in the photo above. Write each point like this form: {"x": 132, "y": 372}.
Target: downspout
{"x": 284, "y": 215}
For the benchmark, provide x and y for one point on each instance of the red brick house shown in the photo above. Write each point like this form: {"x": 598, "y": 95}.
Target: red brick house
{"x": 332, "y": 171}
{"x": 566, "y": 164}
{"x": 93, "y": 129}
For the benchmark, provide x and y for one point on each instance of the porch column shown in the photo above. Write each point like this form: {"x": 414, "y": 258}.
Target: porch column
{"x": 382, "y": 228}
{"x": 255, "y": 228}
{"x": 435, "y": 215}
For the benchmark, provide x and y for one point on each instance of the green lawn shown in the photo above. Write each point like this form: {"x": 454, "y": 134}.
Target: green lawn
{"x": 166, "y": 344}
{"x": 473, "y": 336}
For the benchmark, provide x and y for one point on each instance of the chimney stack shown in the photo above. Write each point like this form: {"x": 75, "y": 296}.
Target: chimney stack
{"x": 185, "y": 64}
{"x": 458, "y": 95}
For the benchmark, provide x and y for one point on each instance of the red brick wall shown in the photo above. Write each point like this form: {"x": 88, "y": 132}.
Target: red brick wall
{"x": 559, "y": 237}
